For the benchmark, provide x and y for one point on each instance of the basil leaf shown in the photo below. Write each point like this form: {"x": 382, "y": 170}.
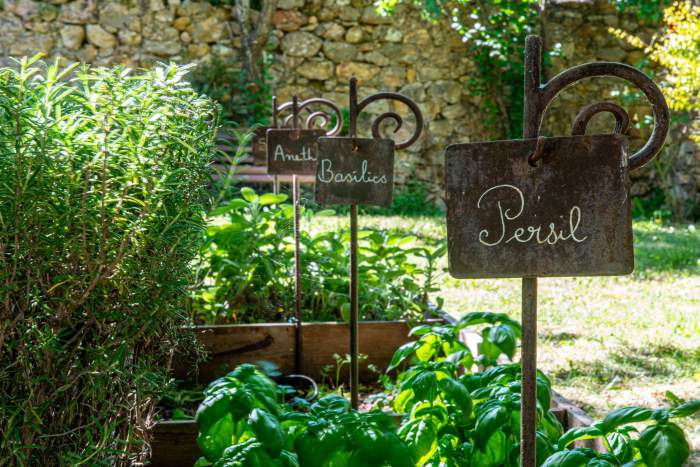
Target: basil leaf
{"x": 663, "y": 445}
{"x": 268, "y": 431}
{"x": 214, "y": 441}
{"x": 494, "y": 452}
{"x": 457, "y": 394}
{"x": 621, "y": 446}
{"x": 271, "y": 198}
{"x": 249, "y": 194}
{"x": 579, "y": 433}
{"x": 424, "y": 385}
{"x": 624, "y": 416}
{"x": 573, "y": 458}
{"x": 212, "y": 409}
{"x": 397, "y": 453}
{"x": 421, "y": 438}
{"x": 491, "y": 419}
{"x": 504, "y": 338}
{"x": 686, "y": 409}
{"x": 402, "y": 353}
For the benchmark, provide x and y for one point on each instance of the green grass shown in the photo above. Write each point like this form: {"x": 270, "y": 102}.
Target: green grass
{"x": 606, "y": 341}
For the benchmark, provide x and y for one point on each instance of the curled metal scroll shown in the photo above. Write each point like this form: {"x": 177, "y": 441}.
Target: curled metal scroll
{"x": 539, "y": 96}
{"x": 622, "y": 120}
{"x": 315, "y": 118}
{"x": 356, "y": 109}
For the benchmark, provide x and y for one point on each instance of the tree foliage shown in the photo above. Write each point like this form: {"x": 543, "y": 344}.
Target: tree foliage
{"x": 677, "y": 50}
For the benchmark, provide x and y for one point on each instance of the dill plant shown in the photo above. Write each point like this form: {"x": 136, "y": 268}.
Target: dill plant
{"x": 101, "y": 204}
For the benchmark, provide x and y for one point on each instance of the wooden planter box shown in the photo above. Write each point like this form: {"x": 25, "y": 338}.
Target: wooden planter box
{"x": 174, "y": 443}
{"x": 231, "y": 345}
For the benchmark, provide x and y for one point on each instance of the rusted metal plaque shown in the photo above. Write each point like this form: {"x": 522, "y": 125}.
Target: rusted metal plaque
{"x": 570, "y": 215}
{"x": 292, "y": 152}
{"x": 259, "y": 145}
{"x": 355, "y": 171}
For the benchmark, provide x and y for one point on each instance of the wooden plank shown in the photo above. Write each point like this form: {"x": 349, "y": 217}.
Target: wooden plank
{"x": 231, "y": 345}
{"x": 378, "y": 340}
{"x": 174, "y": 444}
{"x": 577, "y": 417}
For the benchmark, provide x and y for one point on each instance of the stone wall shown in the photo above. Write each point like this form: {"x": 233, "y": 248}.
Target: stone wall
{"x": 317, "y": 45}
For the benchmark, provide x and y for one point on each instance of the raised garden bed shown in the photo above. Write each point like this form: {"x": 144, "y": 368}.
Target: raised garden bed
{"x": 231, "y": 345}
{"x": 174, "y": 442}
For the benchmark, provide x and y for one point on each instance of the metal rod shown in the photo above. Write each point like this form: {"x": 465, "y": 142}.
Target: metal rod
{"x": 354, "y": 286}
{"x": 528, "y": 357}
{"x": 298, "y": 350}
{"x": 275, "y": 123}
{"x": 354, "y": 312}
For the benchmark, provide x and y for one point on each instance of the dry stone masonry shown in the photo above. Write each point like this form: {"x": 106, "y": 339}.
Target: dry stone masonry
{"x": 317, "y": 45}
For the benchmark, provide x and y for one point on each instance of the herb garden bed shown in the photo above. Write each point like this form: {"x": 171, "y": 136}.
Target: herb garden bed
{"x": 174, "y": 442}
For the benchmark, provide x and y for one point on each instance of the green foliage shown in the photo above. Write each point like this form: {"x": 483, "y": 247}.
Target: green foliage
{"x": 648, "y": 10}
{"x": 451, "y": 416}
{"x": 101, "y": 190}
{"x": 243, "y": 103}
{"x": 244, "y": 421}
{"x": 474, "y": 419}
{"x": 410, "y": 199}
{"x": 247, "y": 272}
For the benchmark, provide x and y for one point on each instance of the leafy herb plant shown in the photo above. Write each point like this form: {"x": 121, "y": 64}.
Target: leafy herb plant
{"x": 102, "y": 176}
{"x": 247, "y": 272}
{"x": 451, "y": 416}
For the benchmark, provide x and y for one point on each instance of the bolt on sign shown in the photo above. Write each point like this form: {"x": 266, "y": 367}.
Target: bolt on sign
{"x": 568, "y": 214}
{"x": 355, "y": 171}
{"x": 292, "y": 151}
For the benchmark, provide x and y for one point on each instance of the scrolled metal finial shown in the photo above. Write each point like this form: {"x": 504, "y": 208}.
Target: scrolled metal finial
{"x": 622, "y": 120}
{"x": 318, "y": 117}
{"x": 390, "y": 115}
{"x": 539, "y": 96}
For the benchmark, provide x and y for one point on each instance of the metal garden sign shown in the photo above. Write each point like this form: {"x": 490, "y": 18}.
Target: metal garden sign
{"x": 356, "y": 171}
{"x": 292, "y": 151}
{"x": 547, "y": 206}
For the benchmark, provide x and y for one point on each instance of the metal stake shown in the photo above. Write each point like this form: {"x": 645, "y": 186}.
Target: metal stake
{"x": 354, "y": 286}
{"x": 528, "y": 358}
{"x": 298, "y": 351}
{"x": 275, "y": 124}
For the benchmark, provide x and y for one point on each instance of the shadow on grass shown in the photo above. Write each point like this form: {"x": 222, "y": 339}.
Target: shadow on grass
{"x": 627, "y": 363}
{"x": 660, "y": 248}
{"x": 555, "y": 337}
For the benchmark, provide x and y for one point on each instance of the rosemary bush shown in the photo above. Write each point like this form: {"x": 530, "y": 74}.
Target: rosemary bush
{"x": 101, "y": 188}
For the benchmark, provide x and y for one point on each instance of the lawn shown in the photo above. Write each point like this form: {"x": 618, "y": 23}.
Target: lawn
{"x": 606, "y": 341}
